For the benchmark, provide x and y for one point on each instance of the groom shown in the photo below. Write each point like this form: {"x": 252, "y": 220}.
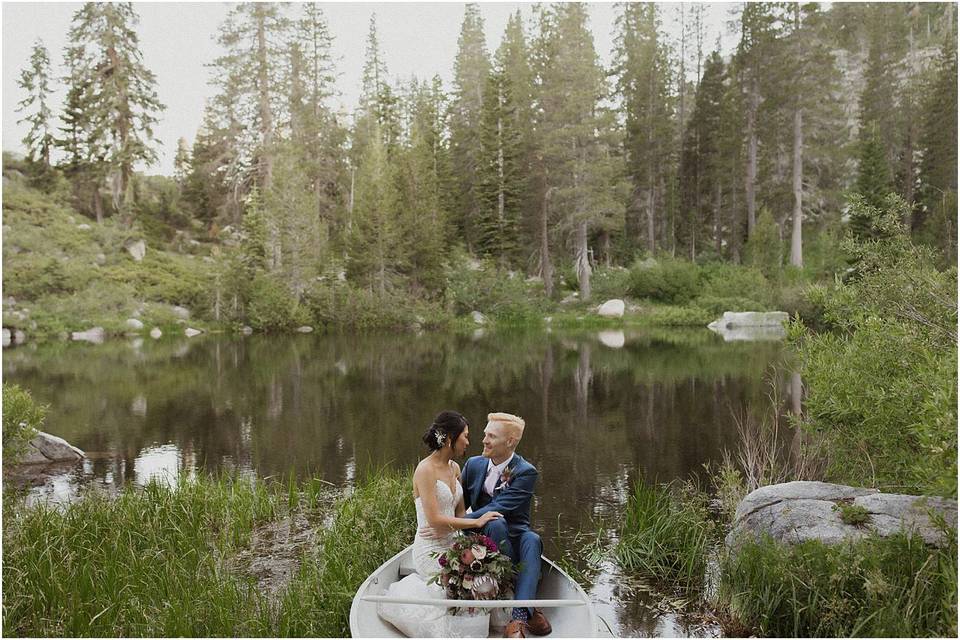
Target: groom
{"x": 500, "y": 480}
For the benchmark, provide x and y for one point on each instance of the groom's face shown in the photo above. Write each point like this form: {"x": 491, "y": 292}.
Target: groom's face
{"x": 497, "y": 443}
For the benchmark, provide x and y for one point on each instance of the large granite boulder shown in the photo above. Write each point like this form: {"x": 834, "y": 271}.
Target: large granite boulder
{"x": 44, "y": 448}
{"x": 794, "y": 512}
{"x": 136, "y": 249}
{"x": 611, "y": 309}
{"x": 735, "y": 319}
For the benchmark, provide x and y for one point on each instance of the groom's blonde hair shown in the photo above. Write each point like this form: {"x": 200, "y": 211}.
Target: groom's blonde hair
{"x": 513, "y": 424}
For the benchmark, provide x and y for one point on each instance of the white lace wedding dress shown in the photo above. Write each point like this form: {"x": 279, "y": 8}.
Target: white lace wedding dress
{"x": 419, "y": 621}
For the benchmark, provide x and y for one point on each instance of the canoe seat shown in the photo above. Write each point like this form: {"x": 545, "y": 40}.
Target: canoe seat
{"x": 406, "y": 565}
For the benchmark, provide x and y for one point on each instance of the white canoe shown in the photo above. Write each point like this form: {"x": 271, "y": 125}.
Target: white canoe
{"x": 564, "y": 602}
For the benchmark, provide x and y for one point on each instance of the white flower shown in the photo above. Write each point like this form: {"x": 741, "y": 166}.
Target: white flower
{"x": 479, "y": 551}
{"x": 484, "y": 587}
{"x": 467, "y": 581}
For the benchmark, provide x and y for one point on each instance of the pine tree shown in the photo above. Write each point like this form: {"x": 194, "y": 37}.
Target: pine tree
{"x": 374, "y": 255}
{"x": 758, "y": 33}
{"x": 181, "y": 163}
{"x": 35, "y": 81}
{"x": 514, "y": 57}
{"x": 422, "y": 213}
{"x": 575, "y": 131}
{"x": 938, "y": 141}
{"x": 471, "y": 67}
{"x": 643, "y": 80}
{"x": 502, "y": 185}
{"x": 119, "y": 94}
{"x": 873, "y": 176}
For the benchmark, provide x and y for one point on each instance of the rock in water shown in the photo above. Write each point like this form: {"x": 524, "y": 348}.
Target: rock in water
{"x": 478, "y": 317}
{"x": 793, "y": 512}
{"x": 7, "y": 336}
{"x": 612, "y": 339}
{"x": 612, "y": 309}
{"x": 137, "y": 250}
{"x": 45, "y": 448}
{"x": 304, "y": 329}
{"x": 134, "y": 324}
{"x": 155, "y": 333}
{"x": 95, "y": 335}
{"x": 192, "y": 332}
{"x": 734, "y": 319}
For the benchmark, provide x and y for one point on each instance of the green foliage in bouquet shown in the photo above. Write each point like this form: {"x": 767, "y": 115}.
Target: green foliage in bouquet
{"x": 473, "y": 568}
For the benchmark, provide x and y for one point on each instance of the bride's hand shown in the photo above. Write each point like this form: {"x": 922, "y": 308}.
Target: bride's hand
{"x": 488, "y": 516}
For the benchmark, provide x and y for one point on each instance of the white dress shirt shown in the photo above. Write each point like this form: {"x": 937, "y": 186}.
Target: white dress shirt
{"x": 493, "y": 474}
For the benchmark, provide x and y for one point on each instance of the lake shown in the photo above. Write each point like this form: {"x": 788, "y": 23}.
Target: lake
{"x": 603, "y": 409}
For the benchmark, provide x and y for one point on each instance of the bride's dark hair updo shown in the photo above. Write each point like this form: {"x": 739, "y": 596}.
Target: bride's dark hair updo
{"x": 446, "y": 427}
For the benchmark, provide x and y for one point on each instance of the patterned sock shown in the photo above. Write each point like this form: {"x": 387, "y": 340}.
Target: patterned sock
{"x": 521, "y": 614}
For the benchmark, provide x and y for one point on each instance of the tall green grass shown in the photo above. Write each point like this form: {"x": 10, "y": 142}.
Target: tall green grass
{"x": 152, "y": 561}
{"x": 374, "y": 523}
{"x": 143, "y": 563}
{"x": 878, "y": 587}
{"x": 666, "y": 534}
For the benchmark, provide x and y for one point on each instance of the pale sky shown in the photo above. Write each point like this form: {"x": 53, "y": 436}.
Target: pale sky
{"x": 177, "y": 40}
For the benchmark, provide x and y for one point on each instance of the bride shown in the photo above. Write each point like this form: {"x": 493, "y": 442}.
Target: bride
{"x": 438, "y": 497}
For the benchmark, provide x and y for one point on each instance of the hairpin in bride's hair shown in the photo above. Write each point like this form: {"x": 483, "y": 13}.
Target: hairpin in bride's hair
{"x": 438, "y": 436}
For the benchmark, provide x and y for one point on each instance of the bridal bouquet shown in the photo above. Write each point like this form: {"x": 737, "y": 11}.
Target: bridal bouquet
{"x": 474, "y": 569}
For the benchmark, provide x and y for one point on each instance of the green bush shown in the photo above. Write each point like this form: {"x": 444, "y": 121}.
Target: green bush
{"x": 613, "y": 282}
{"x": 716, "y": 306}
{"x": 491, "y": 291}
{"x": 670, "y": 281}
{"x": 735, "y": 281}
{"x": 22, "y": 418}
{"x": 678, "y": 316}
{"x": 882, "y": 384}
{"x": 895, "y": 587}
{"x": 341, "y": 305}
{"x": 272, "y": 307}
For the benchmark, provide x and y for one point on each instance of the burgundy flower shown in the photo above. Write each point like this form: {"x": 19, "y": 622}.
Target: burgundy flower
{"x": 442, "y": 560}
{"x": 467, "y": 557}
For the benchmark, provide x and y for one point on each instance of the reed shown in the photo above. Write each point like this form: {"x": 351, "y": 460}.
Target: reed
{"x": 666, "y": 534}
{"x": 877, "y": 587}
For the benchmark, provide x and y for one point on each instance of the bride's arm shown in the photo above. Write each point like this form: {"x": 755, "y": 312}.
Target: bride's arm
{"x": 426, "y": 483}
{"x": 461, "y": 507}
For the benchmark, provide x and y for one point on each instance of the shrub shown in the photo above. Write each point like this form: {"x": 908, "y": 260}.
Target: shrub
{"x": 613, "y": 282}
{"x": 22, "y": 418}
{"x": 734, "y": 281}
{"x": 716, "y": 306}
{"x": 272, "y": 307}
{"x": 669, "y": 281}
{"x": 343, "y": 305}
{"x": 491, "y": 291}
{"x": 878, "y": 587}
{"x": 882, "y": 386}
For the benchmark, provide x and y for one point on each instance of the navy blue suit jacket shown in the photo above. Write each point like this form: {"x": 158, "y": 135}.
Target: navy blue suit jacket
{"x": 512, "y": 500}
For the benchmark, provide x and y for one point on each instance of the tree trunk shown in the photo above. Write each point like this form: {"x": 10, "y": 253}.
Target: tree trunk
{"x": 98, "y": 203}
{"x": 583, "y": 261}
{"x": 266, "y": 121}
{"x": 546, "y": 268}
{"x": 751, "y": 182}
{"x": 651, "y": 226}
{"x": 796, "y": 239}
{"x": 717, "y": 239}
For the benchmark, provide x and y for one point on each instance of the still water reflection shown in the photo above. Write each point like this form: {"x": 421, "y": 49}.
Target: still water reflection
{"x": 602, "y": 409}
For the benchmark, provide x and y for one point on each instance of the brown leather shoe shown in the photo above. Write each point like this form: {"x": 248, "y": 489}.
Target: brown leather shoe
{"x": 538, "y": 624}
{"x": 515, "y": 629}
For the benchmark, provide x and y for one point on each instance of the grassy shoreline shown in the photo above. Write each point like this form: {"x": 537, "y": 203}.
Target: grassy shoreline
{"x": 153, "y": 561}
